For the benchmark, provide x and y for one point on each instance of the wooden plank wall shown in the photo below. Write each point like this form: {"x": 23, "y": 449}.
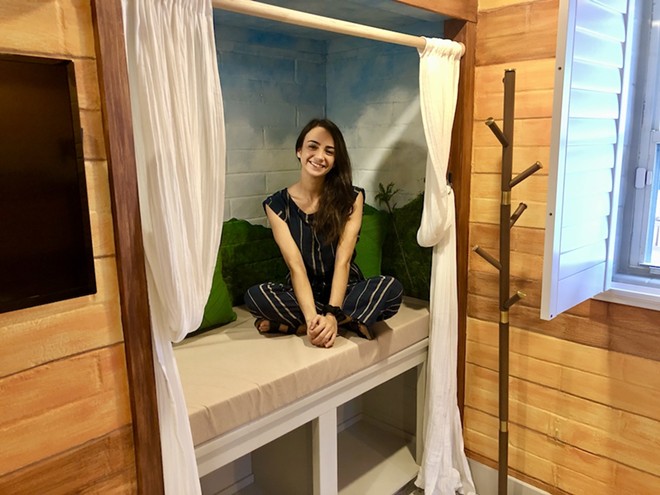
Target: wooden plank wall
{"x": 65, "y": 421}
{"x": 585, "y": 387}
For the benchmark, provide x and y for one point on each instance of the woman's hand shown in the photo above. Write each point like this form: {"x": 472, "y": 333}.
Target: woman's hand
{"x": 322, "y": 330}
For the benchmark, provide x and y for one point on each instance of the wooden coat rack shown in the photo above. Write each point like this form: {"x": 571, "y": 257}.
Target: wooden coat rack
{"x": 507, "y": 221}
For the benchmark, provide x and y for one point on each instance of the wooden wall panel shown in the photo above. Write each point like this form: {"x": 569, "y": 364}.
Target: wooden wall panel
{"x": 584, "y": 387}
{"x": 522, "y": 240}
{"x": 487, "y": 283}
{"x": 577, "y": 382}
{"x": 100, "y": 212}
{"x": 457, "y": 9}
{"x": 39, "y": 335}
{"x": 487, "y": 210}
{"x": 533, "y": 407}
{"x": 533, "y": 189}
{"x": 537, "y": 103}
{"x": 486, "y": 5}
{"x": 54, "y": 27}
{"x": 531, "y": 75}
{"x": 523, "y": 31}
{"x": 93, "y": 144}
{"x": 623, "y": 367}
{"x": 534, "y": 87}
{"x": 65, "y": 422}
{"x": 585, "y": 324}
{"x": 88, "y": 85}
{"x": 487, "y": 159}
{"x": 58, "y": 400}
{"x": 79, "y": 470}
{"x": 528, "y": 132}
{"x": 523, "y": 266}
{"x": 542, "y": 458}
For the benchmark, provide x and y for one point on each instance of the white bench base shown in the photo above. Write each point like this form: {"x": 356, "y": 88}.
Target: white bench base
{"x": 319, "y": 408}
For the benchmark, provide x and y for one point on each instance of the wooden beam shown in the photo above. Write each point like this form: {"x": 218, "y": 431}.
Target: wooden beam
{"x": 518, "y": 32}
{"x": 460, "y": 168}
{"x": 465, "y": 10}
{"x": 136, "y": 323}
{"x": 313, "y": 21}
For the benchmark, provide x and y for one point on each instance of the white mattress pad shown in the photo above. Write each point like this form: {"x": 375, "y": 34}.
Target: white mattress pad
{"x": 232, "y": 375}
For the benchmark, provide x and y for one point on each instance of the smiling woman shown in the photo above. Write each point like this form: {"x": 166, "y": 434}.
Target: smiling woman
{"x": 316, "y": 224}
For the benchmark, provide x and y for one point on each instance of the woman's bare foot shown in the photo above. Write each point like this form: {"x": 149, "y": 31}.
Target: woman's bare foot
{"x": 266, "y": 326}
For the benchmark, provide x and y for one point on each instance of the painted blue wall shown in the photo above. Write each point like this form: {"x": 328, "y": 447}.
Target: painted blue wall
{"x": 373, "y": 95}
{"x": 272, "y": 84}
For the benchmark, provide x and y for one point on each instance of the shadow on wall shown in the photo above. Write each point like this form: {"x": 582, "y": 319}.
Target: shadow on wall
{"x": 404, "y": 165}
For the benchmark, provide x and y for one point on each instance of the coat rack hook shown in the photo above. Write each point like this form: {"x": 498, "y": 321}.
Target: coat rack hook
{"x": 492, "y": 125}
{"x": 525, "y": 173}
{"x": 516, "y": 214}
{"x": 487, "y": 256}
{"x": 514, "y": 299}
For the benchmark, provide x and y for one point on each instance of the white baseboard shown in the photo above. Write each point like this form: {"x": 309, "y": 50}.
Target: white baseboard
{"x": 485, "y": 481}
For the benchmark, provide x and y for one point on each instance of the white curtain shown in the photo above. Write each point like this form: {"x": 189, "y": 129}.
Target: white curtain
{"x": 444, "y": 469}
{"x": 180, "y": 151}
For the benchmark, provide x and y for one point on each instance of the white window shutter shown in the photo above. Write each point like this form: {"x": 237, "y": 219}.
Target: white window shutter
{"x": 586, "y": 138}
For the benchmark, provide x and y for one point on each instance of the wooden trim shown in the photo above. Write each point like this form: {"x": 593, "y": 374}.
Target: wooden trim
{"x": 460, "y": 168}
{"x": 118, "y": 129}
{"x": 465, "y": 10}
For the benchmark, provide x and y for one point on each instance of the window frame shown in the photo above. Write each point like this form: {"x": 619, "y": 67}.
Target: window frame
{"x": 643, "y": 154}
{"x": 639, "y": 283}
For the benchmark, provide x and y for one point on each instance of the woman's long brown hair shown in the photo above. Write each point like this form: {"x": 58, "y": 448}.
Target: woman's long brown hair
{"x": 337, "y": 198}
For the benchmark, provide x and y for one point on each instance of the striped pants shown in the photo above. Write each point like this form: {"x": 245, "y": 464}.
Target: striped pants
{"x": 366, "y": 301}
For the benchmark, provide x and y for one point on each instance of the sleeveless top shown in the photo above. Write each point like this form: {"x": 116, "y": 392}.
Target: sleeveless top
{"x": 319, "y": 257}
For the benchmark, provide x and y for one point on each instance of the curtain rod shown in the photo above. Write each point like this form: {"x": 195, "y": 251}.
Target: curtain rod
{"x": 314, "y": 21}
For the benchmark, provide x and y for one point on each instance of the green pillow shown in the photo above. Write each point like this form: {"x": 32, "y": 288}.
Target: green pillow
{"x": 250, "y": 256}
{"x": 218, "y": 310}
{"x": 369, "y": 248}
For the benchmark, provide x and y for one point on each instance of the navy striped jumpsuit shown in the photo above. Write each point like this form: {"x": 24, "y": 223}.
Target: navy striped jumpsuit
{"x": 366, "y": 300}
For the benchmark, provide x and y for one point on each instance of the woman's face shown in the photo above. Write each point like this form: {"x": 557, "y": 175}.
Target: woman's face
{"x": 317, "y": 155}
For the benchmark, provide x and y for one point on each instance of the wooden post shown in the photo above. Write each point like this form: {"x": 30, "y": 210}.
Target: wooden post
{"x": 131, "y": 272}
